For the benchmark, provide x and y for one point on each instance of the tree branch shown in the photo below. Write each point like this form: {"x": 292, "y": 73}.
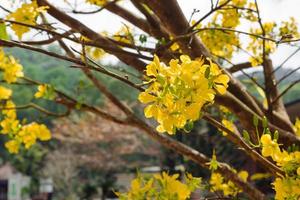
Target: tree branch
{"x": 85, "y": 31}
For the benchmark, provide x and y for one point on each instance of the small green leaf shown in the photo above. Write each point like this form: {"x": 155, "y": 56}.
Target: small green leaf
{"x": 78, "y": 106}
{"x": 50, "y": 93}
{"x": 3, "y": 32}
{"x": 268, "y": 131}
{"x": 265, "y": 122}
{"x": 276, "y": 135}
{"x": 188, "y": 127}
{"x": 246, "y": 136}
{"x": 143, "y": 38}
{"x": 207, "y": 72}
{"x": 255, "y": 120}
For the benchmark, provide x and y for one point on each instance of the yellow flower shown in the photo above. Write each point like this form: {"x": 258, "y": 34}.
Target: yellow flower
{"x": 5, "y": 93}
{"x": 8, "y": 110}
{"x": 298, "y": 171}
{"x": 224, "y": 109}
{"x": 11, "y": 68}
{"x": 229, "y": 125}
{"x": 41, "y": 91}
{"x": 297, "y": 127}
{"x": 216, "y": 180}
{"x": 243, "y": 175}
{"x": 177, "y": 93}
{"x": 31, "y": 132}
{"x": 270, "y": 147}
{"x": 287, "y": 188}
{"x": 9, "y": 125}
{"x": 174, "y": 187}
{"x": 26, "y": 14}
{"x": 43, "y": 133}
{"x": 229, "y": 188}
{"x": 12, "y": 146}
{"x": 145, "y": 97}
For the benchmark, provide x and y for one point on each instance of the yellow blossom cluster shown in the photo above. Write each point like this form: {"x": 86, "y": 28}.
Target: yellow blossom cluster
{"x": 289, "y": 29}
{"x": 10, "y": 67}
{"x": 45, "y": 91}
{"x": 230, "y": 18}
{"x": 286, "y": 187}
{"x": 223, "y": 43}
{"x": 26, "y": 14}
{"x": 177, "y": 93}
{"x": 228, "y": 188}
{"x": 162, "y": 186}
{"x": 17, "y": 133}
{"x": 217, "y": 181}
{"x": 255, "y": 45}
{"x": 250, "y": 13}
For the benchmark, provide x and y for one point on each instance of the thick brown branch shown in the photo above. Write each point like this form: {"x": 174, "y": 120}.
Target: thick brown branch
{"x": 272, "y": 93}
{"x": 87, "y": 32}
{"x": 239, "y": 67}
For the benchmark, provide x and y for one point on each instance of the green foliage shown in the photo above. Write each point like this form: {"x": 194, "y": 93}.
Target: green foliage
{"x": 72, "y": 82}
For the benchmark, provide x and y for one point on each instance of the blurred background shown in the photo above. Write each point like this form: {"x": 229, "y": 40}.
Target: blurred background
{"x": 91, "y": 158}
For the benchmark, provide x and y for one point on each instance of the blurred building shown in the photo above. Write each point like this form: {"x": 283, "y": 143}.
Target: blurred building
{"x": 13, "y": 184}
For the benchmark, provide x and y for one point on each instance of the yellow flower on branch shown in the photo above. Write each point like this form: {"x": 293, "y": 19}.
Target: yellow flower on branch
{"x": 45, "y": 91}
{"x": 228, "y": 124}
{"x": 10, "y": 67}
{"x": 41, "y": 91}
{"x": 5, "y": 93}
{"x": 270, "y": 147}
{"x": 9, "y": 125}
{"x": 297, "y": 127}
{"x": 31, "y": 132}
{"x": 12, "y": 146}
{"x": 26, "y": 14}
{"x": 177, "y": 93}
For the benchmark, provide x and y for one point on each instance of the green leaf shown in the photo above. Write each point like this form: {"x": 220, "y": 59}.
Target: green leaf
{"x": 143, "y": 38}
{"x": 3, "y": 32}
{"x": 246, "y": 136}
{"x": 276, "y": 135}
{"x": 50, "y": 93}
{"x": 265, "y": 122}
{"x": 255, "y": 120}
{"x": 188, "y": 127}
{"x": 78, "y": 106}
{"x": 207, "y": 72}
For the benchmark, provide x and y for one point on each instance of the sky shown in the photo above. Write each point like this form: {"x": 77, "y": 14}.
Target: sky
{"x": 271, "y": 10}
